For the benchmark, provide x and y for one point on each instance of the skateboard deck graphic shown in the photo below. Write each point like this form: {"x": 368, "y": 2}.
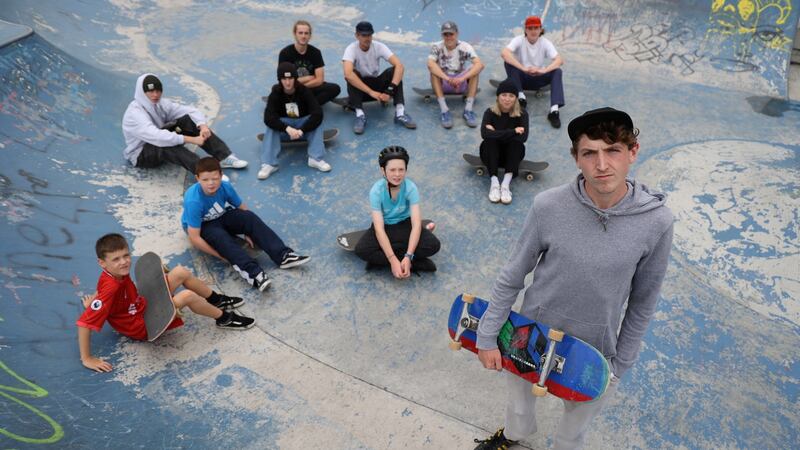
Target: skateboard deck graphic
{"x": 349, "y": 240}
{"x": 536, "y": 92}
{"x": 569, "y": 367}
{"x": 428, "y": 94}
{"x": 151, "y": 282}
{"x": 327, "y": 136}
{"x": 527, "y": 168}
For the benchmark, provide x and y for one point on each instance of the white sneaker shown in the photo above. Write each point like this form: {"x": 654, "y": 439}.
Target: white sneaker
{"x": 494, "y": 194}
{"x": 505, "y": 195}
{"x": 232, "y": 162}
{"x": 320, "y": 165}
{"x": 266, "y": 170}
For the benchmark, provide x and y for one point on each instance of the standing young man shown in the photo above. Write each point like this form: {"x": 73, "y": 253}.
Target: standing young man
{"x": 525, "y": 62}
{"x": 451, "y": 73}
{"x": 156, "y": 130}
{"x": 362, "y": 63}
{"x": 593, "y": 244}
{"x": 309, "y": 63}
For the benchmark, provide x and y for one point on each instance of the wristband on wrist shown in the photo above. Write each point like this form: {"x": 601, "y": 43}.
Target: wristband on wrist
{"x": 410, "y": 256}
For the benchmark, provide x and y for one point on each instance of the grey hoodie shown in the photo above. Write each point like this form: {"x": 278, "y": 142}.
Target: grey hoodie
{"x": 587, "y": 262}
{"x": 143, "y": 120}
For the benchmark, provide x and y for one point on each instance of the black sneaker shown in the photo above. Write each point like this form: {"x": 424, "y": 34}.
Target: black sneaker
{"x": 292, "y": 259}
{"x": 555, "y": 121}
{"x": 235, "y": 321}
{"x": 523, "y": 103}
{"x": 227, "y": 303}
{"x": 497, "y": 441}
{"x": 261, "y": 282}
{"x": 423, "y": 265}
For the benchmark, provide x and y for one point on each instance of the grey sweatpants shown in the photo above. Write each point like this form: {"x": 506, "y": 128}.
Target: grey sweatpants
{"x": 521, "y": 414}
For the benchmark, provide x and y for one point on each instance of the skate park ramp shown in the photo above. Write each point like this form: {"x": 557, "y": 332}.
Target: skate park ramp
{"x": 350, "y": 359}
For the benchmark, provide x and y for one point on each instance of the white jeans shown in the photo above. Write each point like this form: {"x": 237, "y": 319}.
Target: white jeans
{"x": 521, "y": 414}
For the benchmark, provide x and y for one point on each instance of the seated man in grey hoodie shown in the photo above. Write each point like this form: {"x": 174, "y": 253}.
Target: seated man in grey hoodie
{"x": 156, "y": 130}
{"x": 607, "y": 241}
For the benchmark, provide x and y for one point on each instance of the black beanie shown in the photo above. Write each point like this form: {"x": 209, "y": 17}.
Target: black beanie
{"x": 506, "y": 86}
{"x": 151, "y": 83}
{"x": 286, "y": 70}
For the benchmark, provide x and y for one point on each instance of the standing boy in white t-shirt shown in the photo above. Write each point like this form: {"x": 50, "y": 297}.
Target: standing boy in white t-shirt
{"x": 454, "y": 68}
{"x": 362, "y": 62}
{"x": 525, "y": 57}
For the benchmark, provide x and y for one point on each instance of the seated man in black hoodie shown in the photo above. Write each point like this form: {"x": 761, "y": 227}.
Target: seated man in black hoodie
{"x": 292, "y": 113}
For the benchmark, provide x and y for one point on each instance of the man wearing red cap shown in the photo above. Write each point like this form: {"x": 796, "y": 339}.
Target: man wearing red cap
{"x": 525, "y": 57}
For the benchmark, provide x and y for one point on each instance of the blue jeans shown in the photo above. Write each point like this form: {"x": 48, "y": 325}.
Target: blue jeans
{"x": 271, "y": 145}
{"x": 524, "y": 81}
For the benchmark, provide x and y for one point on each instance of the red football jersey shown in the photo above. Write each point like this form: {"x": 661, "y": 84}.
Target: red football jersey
{"x": 119, "y": 303}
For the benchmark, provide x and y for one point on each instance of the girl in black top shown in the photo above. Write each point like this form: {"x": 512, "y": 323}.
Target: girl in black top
{"x": 504, "y": 130}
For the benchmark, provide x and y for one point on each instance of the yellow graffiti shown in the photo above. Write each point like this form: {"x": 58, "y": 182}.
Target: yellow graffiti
{"x": 754, "y": 19}
{"x": 33, "y": 391}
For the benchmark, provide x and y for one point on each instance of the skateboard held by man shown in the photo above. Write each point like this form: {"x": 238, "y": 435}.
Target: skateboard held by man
{"x": 551, "y": 360}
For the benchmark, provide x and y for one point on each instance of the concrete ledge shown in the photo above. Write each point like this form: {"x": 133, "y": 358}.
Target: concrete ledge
{"x": 12, "y": 32}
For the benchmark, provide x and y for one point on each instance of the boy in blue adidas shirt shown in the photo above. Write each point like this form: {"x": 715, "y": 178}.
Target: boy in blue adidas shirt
{"x": 397, "y": 237}
{"x": 213, "y": 214}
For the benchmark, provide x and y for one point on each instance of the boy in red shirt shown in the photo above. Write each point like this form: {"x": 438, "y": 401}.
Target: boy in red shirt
{"x": 118, "y": 302}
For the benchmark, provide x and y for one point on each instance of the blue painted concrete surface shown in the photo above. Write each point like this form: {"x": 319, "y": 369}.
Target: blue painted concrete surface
{"x": 719, "y": 364}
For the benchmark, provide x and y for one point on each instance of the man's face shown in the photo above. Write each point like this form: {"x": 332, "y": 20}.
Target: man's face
{"x": 117, "y": 263}
{"x": 302, "y": 34}
{"x": 395, "y": 171}
{"x": 288, "y": 85}
{"x": 604, "y": 166}
{"x": 533, "y": 33}
{"x": 209, "y": 181}
{"x": 450, "y": 39}
{"x": 364, "y": 41}
{"x": 153, "y": 95}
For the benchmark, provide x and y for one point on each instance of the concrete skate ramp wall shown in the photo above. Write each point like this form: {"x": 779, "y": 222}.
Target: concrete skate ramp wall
{"x": 743, "y": 45}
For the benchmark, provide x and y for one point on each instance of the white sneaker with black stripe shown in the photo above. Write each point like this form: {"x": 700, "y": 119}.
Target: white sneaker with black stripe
{"x": 292, "y": 259}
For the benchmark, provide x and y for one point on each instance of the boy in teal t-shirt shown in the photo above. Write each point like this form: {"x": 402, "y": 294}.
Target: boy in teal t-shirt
{"x": 397, "y": 237}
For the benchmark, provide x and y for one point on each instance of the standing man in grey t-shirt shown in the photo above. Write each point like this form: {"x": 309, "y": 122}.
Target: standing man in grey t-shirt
{"x": 594, "y": 245}
{"x": 362, "y": 63}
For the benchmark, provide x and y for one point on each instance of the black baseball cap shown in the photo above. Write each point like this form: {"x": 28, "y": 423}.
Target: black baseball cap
{"x": 581, "y": 123}
{"x": 364, "y": 28}
{"x": 151, "y": 83}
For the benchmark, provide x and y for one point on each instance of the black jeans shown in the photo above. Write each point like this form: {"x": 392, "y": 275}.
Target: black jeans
{"x": 326, "y": 92}
{"x": 379, "y": 83}
{"x": 505, "y": 154}
{"x": 219, "y": 234}
{"x": 370, "y": 250}
{"x": 153, "y": 156}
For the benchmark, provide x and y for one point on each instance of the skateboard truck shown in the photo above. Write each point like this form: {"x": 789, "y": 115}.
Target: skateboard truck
{"x": 466, "y": 322}
{"x": 550, "y": 362}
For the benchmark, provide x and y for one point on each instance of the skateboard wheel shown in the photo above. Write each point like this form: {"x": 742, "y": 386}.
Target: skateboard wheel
{"x": 454, "y": 345}
{"x": 467, "y": 298}
{"x": 539, "y": 94}
{"x": 479, "y": 172}
{"x": 555, "y": 335}
{"x": 539, "y": 391}
{"x": 427, "y": 99}
{"x": 529, "y": 177}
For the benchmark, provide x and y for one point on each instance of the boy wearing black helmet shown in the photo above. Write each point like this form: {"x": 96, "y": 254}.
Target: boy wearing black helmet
{"x": 397, "y": 237}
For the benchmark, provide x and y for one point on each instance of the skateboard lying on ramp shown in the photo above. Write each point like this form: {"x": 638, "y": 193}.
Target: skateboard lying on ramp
{"x": 327, "y": 136}
{"x": 526, "y": 168}
{"x": 348, "y": 241}
{"x": 535, "y": 92}
{"x": 554, "y": 362}
{"x": 428, "y": 94}
{"x": 344, "y": 102}
{"x": 151, "y": 282}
